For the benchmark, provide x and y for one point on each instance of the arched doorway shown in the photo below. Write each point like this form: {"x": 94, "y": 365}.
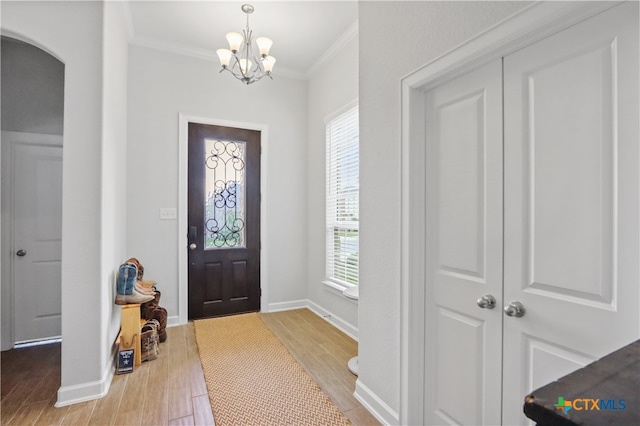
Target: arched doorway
{"x": 32, "y": 124}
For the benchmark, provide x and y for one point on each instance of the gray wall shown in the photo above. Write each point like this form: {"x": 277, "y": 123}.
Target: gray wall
{"x": 87, "y": 37}
{"x": 395, "y": 39}
{"x": 331, "y": 87}
{"x": 32, "y": 89}
{"x": 114, "y": 169}
{"x": 161, "y": 86}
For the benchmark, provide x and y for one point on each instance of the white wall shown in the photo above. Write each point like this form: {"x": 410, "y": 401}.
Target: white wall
{"x": 162, "y": 85}
{"x": 72, "y": 31}
{"x": 421, "y": 32}
{"x": 331, "y": 87}
{"x": 114, "y": 170}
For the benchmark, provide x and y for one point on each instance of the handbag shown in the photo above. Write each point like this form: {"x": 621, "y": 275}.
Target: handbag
{"x": 149, "y": 340}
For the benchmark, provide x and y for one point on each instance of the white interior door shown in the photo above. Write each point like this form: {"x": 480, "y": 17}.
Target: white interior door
{"x": 571, "y": 201}
{"x": 37, "y": 236}
{"x": 463, "y": 347}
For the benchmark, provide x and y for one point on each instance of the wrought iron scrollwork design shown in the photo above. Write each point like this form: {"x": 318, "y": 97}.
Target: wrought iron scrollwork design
{"x": 224, "y": 223}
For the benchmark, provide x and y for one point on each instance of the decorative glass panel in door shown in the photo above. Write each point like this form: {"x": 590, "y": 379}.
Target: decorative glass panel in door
{"x": 225, "y": 194}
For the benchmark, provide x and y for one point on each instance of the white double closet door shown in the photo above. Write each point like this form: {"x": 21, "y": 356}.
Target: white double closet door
{"x": 532, "y": 196}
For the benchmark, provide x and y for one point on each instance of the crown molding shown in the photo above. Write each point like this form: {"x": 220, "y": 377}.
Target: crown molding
{"x": 176, "y": 48}
{"x": 208, "y": 55}
{"x": 182, "y": 49}
{"x": 125, "y": 9}
{"x": 349, "y": 35}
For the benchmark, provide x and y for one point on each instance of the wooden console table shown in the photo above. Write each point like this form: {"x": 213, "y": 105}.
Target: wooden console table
{"x": 605, "y": 392}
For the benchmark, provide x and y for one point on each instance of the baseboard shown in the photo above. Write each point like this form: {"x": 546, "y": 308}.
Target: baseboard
{"x": 173, "y": 321}
{"x": 328, "y": 316}
{"x": 334, "y": 320}
{"x": 376, "y": 406}
{"x": 287, "y": 306}
{"x": 68, "y": 395}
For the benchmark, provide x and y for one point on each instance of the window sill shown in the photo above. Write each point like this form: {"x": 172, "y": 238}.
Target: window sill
{"x": 337, "y": 289}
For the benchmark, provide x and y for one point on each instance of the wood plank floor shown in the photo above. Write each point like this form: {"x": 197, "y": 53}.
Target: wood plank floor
{"x": 171, "y": 390}
{"x": 323, "y": 351}
{"x": 153, "y": 394}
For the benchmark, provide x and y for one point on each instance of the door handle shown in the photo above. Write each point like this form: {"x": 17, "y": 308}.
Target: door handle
{"x": 487, "y": 302}
{"x": 193, "y": 232}
{"x": 192, "y": 246}
{"x": 21, "y": 253}
{"x": 514, "y": 309}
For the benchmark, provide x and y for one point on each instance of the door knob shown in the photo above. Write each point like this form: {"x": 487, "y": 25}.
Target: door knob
{"x": 192, "y": 246}
{"x": 21, "y": 253}
{"x": 487, "y": 302}
{"x": 514, "y": 309}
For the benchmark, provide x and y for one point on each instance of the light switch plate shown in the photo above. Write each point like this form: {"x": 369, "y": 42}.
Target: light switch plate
{"x": 168, "y": 214}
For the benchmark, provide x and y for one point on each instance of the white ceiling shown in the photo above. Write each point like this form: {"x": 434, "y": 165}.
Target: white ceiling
{"x": 303, "y": 32}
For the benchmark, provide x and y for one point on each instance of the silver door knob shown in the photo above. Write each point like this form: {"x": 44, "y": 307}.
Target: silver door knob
{"x": 487, "y": 302}
{"x": 514, "y": 309}
{"x": 21, "y": 253}
{"x": 192, "y": 246}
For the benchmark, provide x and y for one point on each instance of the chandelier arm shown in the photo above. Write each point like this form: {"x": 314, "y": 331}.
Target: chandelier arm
{"x": 229, "y": 70}
{"x": 236, "y": 66}
{"x": 258, "y": 61}
{"x": 238, "y": 76}
{"x": 236, "y": 71}
{"x": 260, "y": 76}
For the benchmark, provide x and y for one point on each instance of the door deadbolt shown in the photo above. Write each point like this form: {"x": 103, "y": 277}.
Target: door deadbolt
{"x": 192, "y": 246}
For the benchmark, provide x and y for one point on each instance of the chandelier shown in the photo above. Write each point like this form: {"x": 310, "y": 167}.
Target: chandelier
{"x": 240, "y": 60}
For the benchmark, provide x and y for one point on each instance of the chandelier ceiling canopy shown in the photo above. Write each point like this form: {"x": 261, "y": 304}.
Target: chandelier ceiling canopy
{"x": 240, "y": 58}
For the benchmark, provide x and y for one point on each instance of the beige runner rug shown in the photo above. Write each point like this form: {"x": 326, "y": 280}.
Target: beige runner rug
{"x": 253, "y": 380}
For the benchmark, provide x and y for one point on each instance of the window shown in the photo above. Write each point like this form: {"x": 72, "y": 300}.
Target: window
{"x": 343, "y": 187}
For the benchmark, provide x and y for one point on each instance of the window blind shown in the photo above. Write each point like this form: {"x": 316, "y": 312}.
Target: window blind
{"x": 342, "y": 192}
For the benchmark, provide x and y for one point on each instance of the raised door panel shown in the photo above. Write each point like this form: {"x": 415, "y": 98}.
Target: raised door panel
{"x": 568, "y": 175}
{"x": 213, "y": 283}
{"x": 458, "y": 336}
{"x": 571, "y": 200}
{"x": 239, "y": 280}
{"x": 460, "y": 146}
{"x": 547, "y": 361}
{"x": 464, "y": 248}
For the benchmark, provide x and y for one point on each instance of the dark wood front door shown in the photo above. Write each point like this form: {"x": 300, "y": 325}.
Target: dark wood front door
{"x": 224, "y": 220}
